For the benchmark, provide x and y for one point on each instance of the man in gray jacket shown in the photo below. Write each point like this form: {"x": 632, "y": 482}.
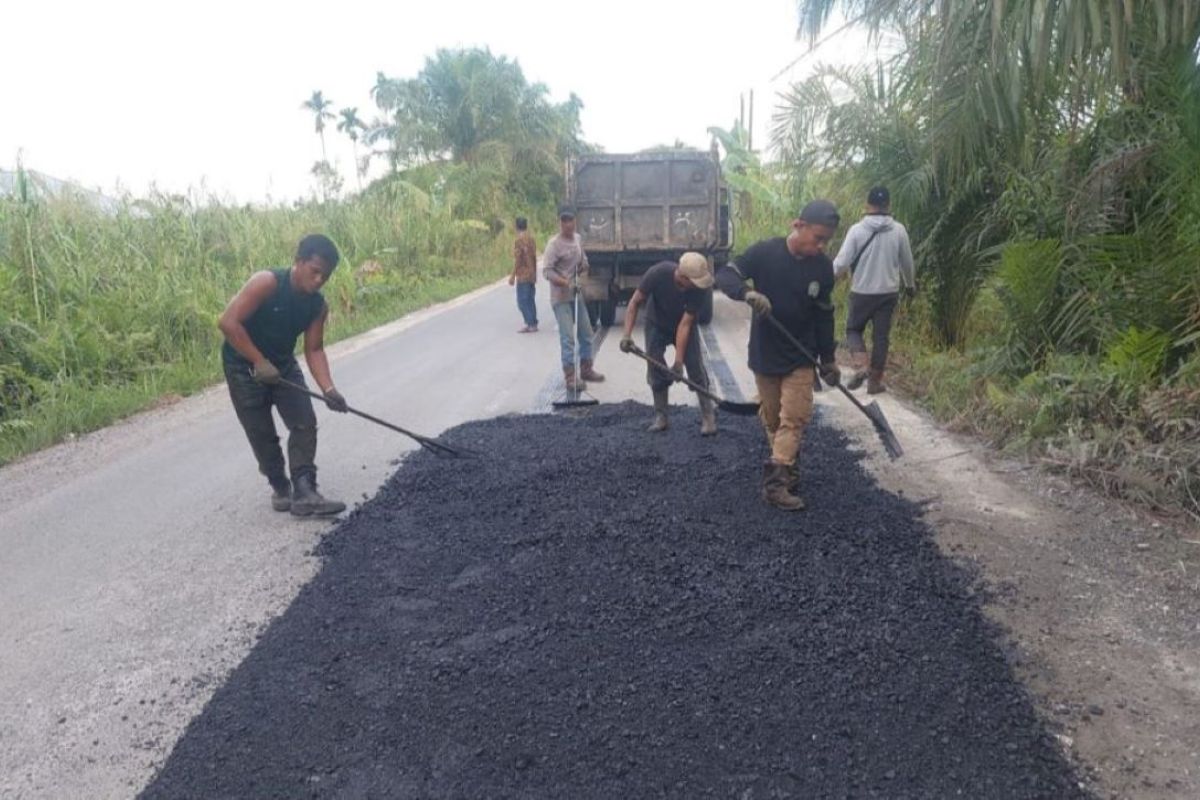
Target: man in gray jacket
{"x": 878, "y": 257}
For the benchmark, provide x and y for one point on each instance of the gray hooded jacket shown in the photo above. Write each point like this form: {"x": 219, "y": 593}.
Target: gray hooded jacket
{"x": 886, "y": 265}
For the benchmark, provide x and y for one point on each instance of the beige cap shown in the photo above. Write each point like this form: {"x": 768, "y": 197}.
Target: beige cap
{"x": 694, "y": 267}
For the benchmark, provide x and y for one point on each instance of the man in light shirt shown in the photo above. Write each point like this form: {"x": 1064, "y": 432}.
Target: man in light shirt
{"x": 877, "y": 255}
{"x": 565, "y": 265}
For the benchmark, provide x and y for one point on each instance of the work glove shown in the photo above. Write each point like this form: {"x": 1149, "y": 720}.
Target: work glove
{"x": 759, "y": 302}
{"x": 627, "y": 345}
{"x": 910, "y": 292}
{"x": 677, "y": 371}
{"x": 831, "y": 374}
{"x": 266, "y": 373}
{"x": 335, "y": 401}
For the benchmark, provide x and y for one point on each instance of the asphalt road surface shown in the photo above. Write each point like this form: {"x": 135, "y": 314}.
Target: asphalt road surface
{"x": 141, "y": 562}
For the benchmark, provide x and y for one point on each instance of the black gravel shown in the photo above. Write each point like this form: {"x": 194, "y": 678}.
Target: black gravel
{"x": 592, "y": 611}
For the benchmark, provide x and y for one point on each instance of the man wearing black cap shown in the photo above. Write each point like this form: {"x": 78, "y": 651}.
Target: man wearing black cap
{"x": 878, "y": 257}
{"x": 793, "y": 280}
{"x": 565, "y": 264}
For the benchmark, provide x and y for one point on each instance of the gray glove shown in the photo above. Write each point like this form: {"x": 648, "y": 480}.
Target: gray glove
{"x": 831, "y": 373}
{"x": 677, "y": 371}
{"x": 759, "y": 302}
{"x": 266, "y": 373}
{"x": 627, "y": 345}
{"x": 335, "y": 401}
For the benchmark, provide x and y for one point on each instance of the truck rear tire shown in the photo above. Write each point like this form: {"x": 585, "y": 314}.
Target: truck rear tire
{"x": 706, "y": 309}
{"x": 608, "y": 310}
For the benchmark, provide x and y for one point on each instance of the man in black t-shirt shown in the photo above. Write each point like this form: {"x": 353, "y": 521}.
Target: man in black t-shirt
{"x": 673, "y": 294}
{"x": 261, "y": 325}
{"x": 793, "y": 281}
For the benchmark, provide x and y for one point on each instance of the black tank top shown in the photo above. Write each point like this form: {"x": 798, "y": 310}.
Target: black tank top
{"x": 276, "y": 324}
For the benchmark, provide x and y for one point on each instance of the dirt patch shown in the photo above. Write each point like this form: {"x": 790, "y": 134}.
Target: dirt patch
{"x": 595, "y": 612}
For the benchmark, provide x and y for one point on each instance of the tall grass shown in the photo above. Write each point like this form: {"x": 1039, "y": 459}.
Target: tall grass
{"x": 102, "y": 314}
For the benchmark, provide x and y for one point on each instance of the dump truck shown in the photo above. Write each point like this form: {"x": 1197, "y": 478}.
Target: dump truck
{"x": 634, "y": 210}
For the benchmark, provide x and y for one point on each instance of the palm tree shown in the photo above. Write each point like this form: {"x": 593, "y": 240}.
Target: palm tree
{"x": 980, "y": 98}
{"x": 319, "y": 106}
{"x": 351, "y": 125}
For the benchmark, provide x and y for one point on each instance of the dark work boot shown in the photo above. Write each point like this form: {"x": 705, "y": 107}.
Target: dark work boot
{"x": 308, "y": 502}
{"x": 588, "y": 372}
{"x": 281, "y": 494}
{"x": 775, "y": 488}
{"x": 660, "y": 423}
{"x": 875, "y": 382}
{"x": 708, "y": 417}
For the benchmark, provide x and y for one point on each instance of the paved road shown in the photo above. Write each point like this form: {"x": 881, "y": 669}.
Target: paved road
{"x": 141, "y": 561}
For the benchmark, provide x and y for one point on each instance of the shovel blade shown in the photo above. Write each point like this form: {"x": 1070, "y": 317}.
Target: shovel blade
{"x": 890, "y": 443}
{"x": 738, "y": 409}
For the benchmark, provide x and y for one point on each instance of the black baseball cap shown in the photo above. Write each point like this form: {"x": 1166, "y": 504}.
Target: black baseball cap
{"x": 566, "y": 212}
{"x": 821, "y": 212}
{"x": 879, "y": 196}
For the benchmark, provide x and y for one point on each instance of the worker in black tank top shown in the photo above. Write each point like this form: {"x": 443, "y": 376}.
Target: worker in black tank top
{"x": 261, "y": 325}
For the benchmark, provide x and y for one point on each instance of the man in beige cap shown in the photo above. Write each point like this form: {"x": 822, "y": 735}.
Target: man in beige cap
{"x": 675, "y": 293}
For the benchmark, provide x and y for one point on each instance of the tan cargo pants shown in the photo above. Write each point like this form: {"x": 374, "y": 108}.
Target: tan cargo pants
{"x": 786, "y": 410}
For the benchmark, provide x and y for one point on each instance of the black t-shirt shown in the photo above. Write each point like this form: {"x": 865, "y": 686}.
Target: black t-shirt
{"x": 278, "y": 322}
{"x": 799, "y": 290}
{"x": 666, "y": 302}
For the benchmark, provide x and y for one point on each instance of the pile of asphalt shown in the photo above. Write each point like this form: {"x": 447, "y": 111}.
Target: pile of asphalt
{"x": 592, "y": 611}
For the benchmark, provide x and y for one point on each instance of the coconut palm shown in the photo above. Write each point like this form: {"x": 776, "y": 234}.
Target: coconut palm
{"x": 352, "y": 126}
{"x": 319, "y": 106}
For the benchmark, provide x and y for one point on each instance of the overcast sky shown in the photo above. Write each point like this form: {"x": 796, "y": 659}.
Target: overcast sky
{"x": 128, "y": 93}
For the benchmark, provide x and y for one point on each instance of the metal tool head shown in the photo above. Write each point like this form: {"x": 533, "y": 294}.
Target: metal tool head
{"x": 738, "y": 409}
{"x": 575, "y": 399}
{"x": 888, "y": 437}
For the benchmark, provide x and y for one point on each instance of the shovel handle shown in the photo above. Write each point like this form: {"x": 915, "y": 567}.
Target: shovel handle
{"x": 808, "y": 354}
{"x": 695, "y": 387}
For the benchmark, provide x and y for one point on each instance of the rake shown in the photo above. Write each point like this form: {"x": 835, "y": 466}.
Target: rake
{"x": 432, "y": 445}
{"x": 577, "y": 397}
{"x": 872, "y": 410}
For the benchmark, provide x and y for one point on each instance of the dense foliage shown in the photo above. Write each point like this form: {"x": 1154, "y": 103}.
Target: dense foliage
{"x": 1044, "y": 156}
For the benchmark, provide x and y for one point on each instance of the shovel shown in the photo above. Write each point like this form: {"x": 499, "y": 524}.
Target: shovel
{"x": 432, "y": 445}
{"x": 872, "y": 410}
{"x": 737, "y": 409}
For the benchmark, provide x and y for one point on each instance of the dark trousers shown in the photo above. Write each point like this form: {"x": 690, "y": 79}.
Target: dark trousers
{"x": 657, "y": 342}
{"x": 252, "y": 401}
{"x": 525, "y": 302}
{"x": 876, "y": 309}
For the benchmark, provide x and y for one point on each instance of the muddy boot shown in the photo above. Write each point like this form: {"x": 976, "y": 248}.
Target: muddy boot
{"x": 775, "y": 488}
{"x": 308, "y": 502}
{"x": 875, "y": 382}
{"x": 572, "y": 383}
{"x": 660, "y": 422}
{"x": 588, "y": 373}
{"x": 857, "y": 379}
{"x": 708, "y": 417}
{"x": 281, "y": 494}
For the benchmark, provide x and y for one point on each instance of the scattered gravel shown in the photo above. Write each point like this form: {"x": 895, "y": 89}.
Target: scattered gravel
{"x": 593, "y": 611}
